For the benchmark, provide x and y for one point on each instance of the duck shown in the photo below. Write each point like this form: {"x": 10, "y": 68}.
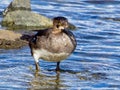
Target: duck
{"x": 53, "y": 44}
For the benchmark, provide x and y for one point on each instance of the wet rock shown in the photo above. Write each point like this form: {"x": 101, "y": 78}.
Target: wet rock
{"x": 11, "y": 40}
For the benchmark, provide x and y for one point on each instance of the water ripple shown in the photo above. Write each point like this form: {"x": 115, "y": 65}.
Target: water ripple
{"x": 93, "y": 65}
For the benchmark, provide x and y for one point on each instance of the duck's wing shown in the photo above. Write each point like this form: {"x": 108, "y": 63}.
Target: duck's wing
{"x": 37, "y": 38}
{"x": 71, "y": 36}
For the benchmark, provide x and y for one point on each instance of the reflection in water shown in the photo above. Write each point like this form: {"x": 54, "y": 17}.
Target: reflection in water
{"x": 95, "y": 64}
{"x": 63, "y": 79}
{"x": 42, "y": 81}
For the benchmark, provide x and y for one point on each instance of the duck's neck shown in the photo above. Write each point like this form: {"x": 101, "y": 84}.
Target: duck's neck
{"x": 56, "y": 31}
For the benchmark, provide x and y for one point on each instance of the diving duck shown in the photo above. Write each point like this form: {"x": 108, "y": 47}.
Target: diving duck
{"x": 54, "y": 44}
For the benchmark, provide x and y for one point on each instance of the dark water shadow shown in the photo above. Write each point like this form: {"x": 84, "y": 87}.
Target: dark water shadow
{"x": 88, "y": 76}
{"x": 116, "y": 19}
{"x": 1, "y": 14}
{"x": 64, "y": 71}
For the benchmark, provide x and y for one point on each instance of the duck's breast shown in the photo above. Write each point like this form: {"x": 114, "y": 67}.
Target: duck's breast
{"x": 59, "y": 43}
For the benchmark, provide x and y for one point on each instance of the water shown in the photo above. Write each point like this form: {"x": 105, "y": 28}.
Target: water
{"x": 94, "y": 65}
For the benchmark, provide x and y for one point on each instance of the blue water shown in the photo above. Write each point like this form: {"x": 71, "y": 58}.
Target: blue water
{"x": 94, "y": 65}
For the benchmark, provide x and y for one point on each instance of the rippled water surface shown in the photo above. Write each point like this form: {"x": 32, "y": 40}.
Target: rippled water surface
{"x": 94, "y": 65}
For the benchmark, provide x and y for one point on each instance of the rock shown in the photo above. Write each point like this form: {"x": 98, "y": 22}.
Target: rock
{"x": 9, "y": 35}
{"x": 18, "y": 15}
{"x": 8, "y": 44}
{"x": 18, "y": 5}
{"x": 22, "y": 19}
{"x": 11, "y": 40}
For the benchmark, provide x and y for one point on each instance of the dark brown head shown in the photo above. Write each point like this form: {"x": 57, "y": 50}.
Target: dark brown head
{"x": 60, "y": 23}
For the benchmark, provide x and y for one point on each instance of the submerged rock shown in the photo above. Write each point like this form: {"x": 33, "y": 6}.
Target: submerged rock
{"x": 71, "y": 26}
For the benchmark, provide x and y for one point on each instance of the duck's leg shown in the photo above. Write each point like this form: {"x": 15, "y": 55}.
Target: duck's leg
{"x": 37, "y": 66}
{"x": 36, "y": 58}
{"x": 58, "y": 66}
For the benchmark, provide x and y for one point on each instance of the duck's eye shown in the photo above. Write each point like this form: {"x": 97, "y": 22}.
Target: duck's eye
{"x": 57, "y": 26}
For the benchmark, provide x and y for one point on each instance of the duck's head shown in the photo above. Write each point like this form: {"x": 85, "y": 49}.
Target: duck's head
{"x": 60, "y": 23}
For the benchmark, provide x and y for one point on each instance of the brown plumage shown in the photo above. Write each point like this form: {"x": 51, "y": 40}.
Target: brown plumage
{"x": 53, "y": 44}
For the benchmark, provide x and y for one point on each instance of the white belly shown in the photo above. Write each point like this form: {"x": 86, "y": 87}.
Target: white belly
{"x": 46, "y": 55}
